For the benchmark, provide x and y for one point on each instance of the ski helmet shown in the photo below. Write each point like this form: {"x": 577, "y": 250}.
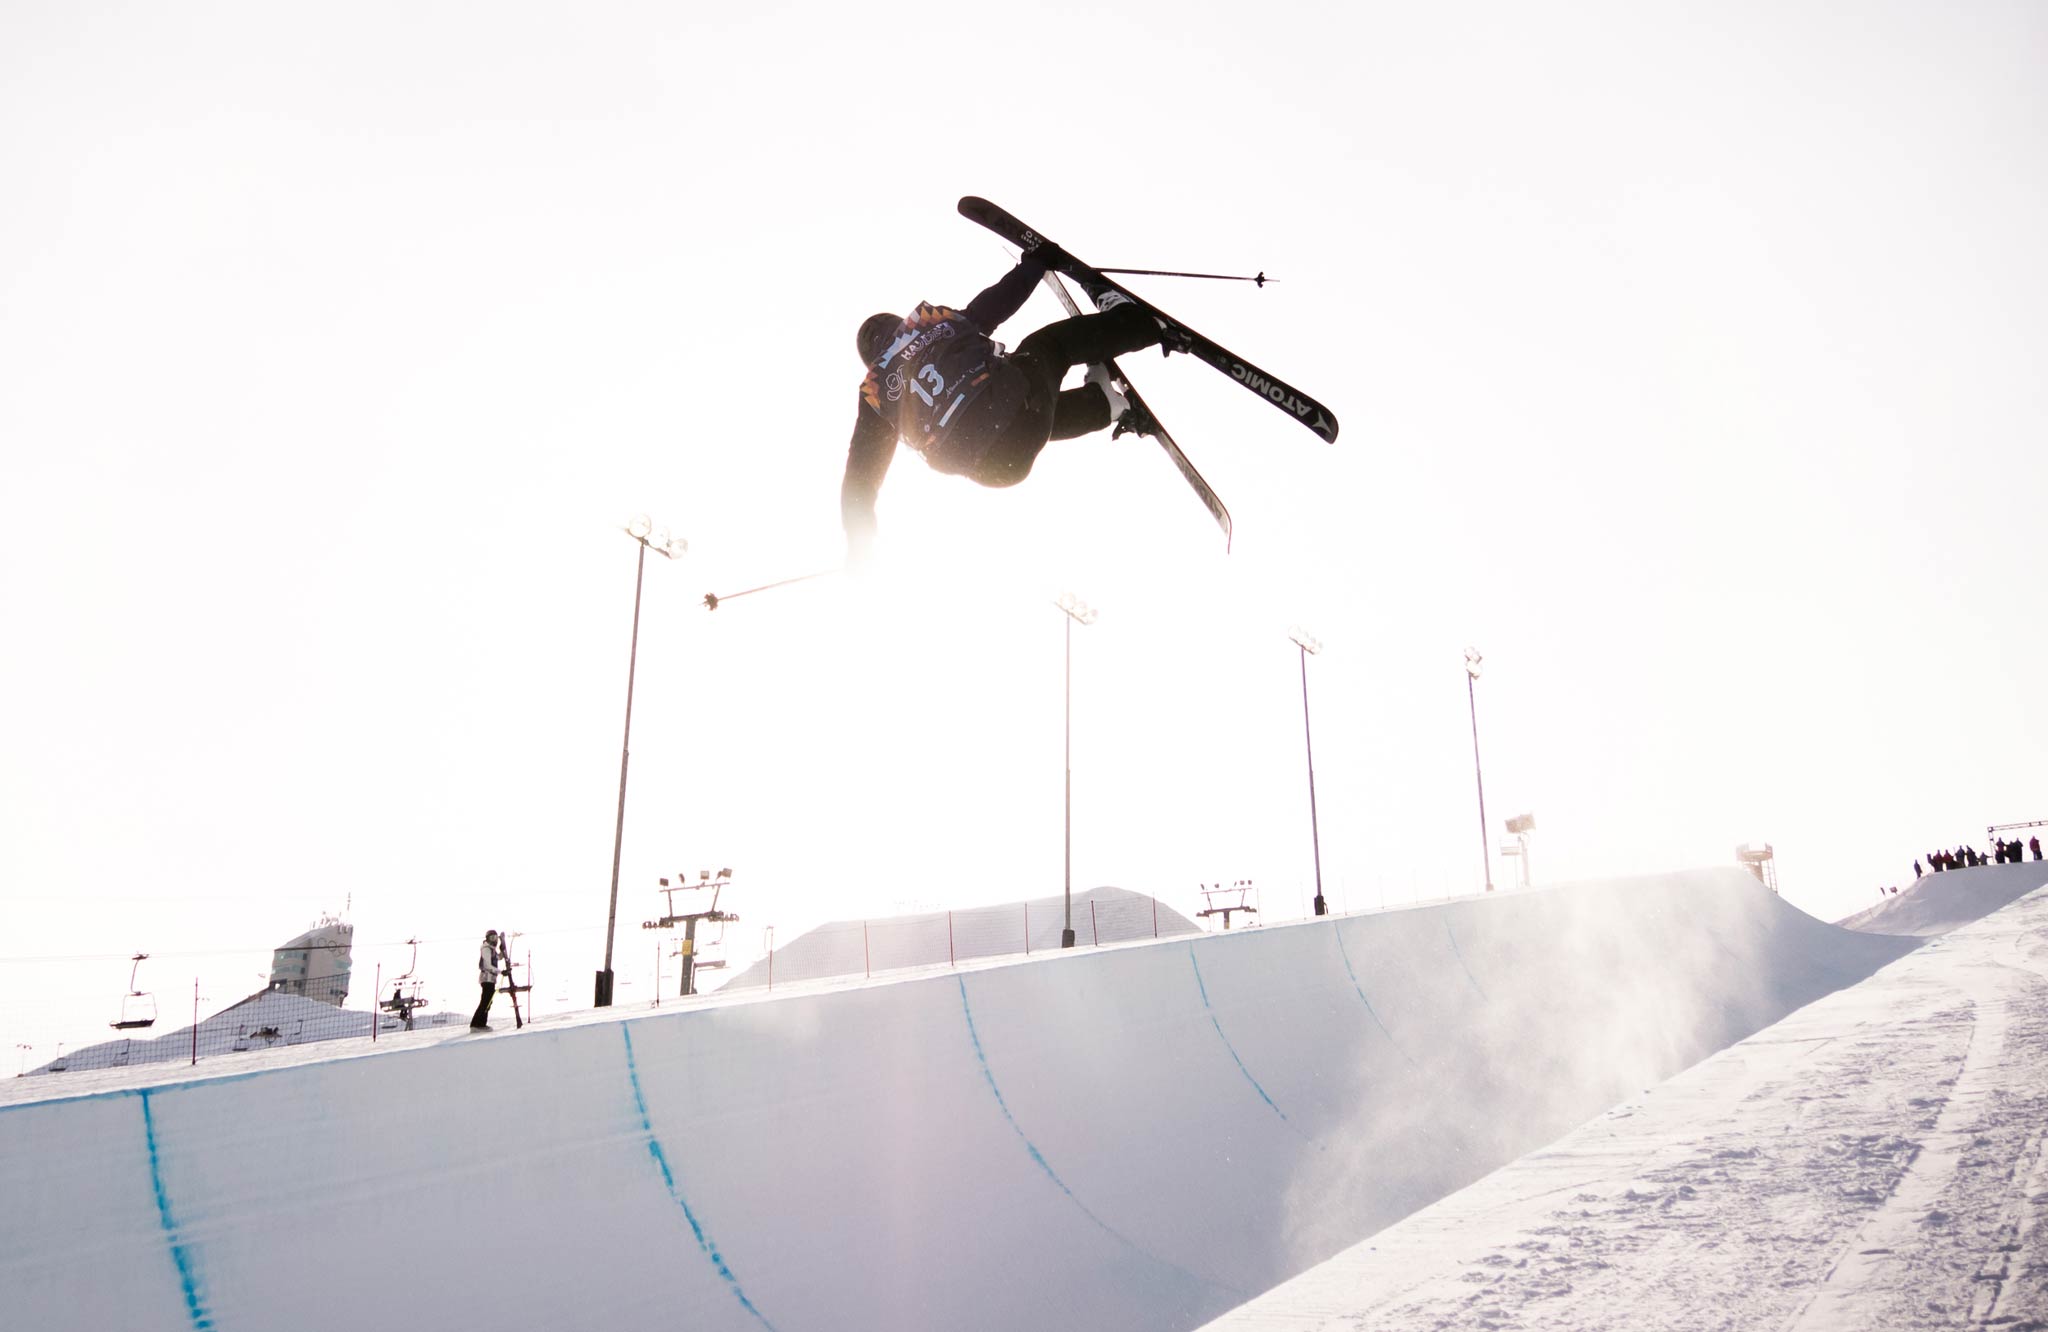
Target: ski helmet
{"x": 875, "y": 332}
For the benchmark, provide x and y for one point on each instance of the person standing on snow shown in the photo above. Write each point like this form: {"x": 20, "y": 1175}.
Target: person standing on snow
{"x": 487, "y": 976}
{"x": 937, "y": 382}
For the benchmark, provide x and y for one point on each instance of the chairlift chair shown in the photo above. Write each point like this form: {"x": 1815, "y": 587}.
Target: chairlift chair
{"x": 138, "y": 1008}
{"x": 405, "y": 991}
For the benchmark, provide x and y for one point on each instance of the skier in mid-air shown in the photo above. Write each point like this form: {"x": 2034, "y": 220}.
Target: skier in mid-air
{"x": 937, "y": 382}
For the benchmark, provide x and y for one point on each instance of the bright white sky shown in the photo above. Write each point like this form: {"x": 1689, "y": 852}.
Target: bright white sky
{"x": 1689, "y": 361}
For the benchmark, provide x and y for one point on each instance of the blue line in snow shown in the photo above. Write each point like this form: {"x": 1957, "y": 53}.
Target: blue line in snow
{"x": 1461, "y": 956}
{"x": 1345, "y": 953}
{"x": 1225, "y": 1039}
{"x": 988, "y": 1076}
{"x": 668, "y": 1177}
{"x": 181, "y": 1253}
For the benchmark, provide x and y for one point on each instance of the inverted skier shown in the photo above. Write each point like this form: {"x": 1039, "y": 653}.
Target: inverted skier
{"x": 937, "y": 382}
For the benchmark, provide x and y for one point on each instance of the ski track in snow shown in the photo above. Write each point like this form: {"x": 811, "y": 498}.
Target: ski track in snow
{"x": 1877, "y": 1160}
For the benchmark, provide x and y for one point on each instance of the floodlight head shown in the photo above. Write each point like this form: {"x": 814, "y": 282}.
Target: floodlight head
{"x": 1081, "y": 611}
{"x": 1522, "y": 823}
{"x": 725, "y": 874}
{"x": 638, "y": 526}
{"x": 1305, "y": 640}
{"x": 669, "y": 546}
{"x": 1472, "y": 660}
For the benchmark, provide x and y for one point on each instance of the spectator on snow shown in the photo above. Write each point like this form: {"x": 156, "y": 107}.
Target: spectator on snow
{"x": 2035, "y": 843}
{"x": 487, "y": 977}
{"x": 1916, "y": 870}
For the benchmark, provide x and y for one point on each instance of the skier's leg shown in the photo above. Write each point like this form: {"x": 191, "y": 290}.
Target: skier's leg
{"x": 1081, "y": 411}
{"x": 1010, "y": 457}
{"x": 1088, "y": 338}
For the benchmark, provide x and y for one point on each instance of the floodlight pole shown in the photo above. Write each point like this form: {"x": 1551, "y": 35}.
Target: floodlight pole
{"x": 1077, "y": 612}
{"x": 1472, "y": 660}
{"x": 641, "y": 529}
{"x": 1308, "y": 643}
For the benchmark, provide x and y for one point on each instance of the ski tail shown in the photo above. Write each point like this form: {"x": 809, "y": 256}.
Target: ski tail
{"x": 1203, "y": 490}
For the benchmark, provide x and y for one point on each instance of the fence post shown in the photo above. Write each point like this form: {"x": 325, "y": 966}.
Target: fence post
{"x": 1093, "y": 926}
{"x": 1155, "y": 918}
{"x": 867, "y": 958}
{"x": 1027, "y": 929}
{"x": 375, "y": 989}
{"x": 195, "y": 1022}
{"x": 951, "y": 959}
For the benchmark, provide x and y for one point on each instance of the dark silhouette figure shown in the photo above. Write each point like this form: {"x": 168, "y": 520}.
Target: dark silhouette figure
{"x": 487, "y": 978}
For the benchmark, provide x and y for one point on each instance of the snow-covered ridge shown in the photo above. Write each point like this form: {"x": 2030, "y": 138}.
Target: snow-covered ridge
{"x": 1938, "y": 903}
{"x": 1141, "y": 1136}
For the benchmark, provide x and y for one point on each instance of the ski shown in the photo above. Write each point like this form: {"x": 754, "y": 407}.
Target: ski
{"x": 1210, "y": 500}
{"x": 510, "y": 986}
{"x": 1287, "y": 398}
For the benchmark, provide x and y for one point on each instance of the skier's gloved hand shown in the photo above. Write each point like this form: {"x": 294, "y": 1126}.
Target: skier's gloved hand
{"x": 1048, "y": 255}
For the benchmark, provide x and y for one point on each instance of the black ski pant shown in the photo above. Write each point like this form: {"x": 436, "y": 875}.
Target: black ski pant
{"x": 483, "y": 1004}
{"x": 1048, "y": 414}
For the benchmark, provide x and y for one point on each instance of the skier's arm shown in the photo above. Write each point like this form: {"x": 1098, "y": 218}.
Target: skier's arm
{"x": 867, "y": 461}
{"x": 1006, "y": 297}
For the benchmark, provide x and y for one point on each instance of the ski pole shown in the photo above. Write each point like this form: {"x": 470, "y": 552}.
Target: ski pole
{"x": 1259, "y": 281}
{"x": 712, "y": 599}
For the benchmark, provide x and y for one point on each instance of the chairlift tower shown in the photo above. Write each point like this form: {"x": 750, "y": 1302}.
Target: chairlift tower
{"x": 688, "y": 920}
{"x": 1222, "y": 901}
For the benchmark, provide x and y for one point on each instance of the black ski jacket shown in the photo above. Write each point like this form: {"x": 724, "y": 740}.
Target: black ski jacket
{"x": 937, "y": 362}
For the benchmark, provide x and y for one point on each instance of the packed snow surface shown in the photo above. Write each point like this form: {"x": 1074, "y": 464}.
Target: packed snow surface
{"x": 1140, "y": 1136}
{"x": 1878, "y": 1159}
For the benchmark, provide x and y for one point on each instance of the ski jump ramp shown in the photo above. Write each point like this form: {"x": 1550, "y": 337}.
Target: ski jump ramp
{"x": 1141, "y": 1136}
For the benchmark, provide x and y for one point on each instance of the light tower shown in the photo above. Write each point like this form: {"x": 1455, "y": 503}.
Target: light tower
{"x": 1077, "y": 611}
{"x": 641, "y": 529}
{"x": 1309, "y": 643}
{"x": 1472, "y": 661}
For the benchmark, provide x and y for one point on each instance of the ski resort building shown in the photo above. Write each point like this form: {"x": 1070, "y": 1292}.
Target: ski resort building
{"x": 316, "y": 963}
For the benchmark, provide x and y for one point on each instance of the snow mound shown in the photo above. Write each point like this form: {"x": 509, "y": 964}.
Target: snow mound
{"x": 935, "y": 938}
{"x": 1942, "y": 902}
